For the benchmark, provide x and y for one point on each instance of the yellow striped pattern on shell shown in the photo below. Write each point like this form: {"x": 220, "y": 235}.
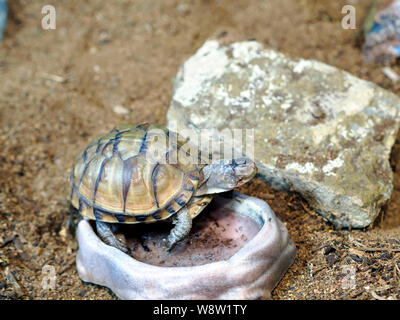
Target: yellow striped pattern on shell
{"x": 136, "y": 174}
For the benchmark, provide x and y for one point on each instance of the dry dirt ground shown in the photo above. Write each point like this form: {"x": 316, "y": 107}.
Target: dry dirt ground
{"x": 59, "y": 89}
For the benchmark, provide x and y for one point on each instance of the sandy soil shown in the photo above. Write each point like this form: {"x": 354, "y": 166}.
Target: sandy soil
{"x": 59, "y": 88}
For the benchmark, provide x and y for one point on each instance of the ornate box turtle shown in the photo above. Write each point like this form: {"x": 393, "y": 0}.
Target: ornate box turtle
{"x": 147, "y": 173}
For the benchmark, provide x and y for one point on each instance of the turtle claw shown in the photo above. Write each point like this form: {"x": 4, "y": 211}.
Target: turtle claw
{"x": 169, "y": 245}
{"x": 121, "y": 245}
{"x": 107, "y": 235}
{"x": 183, "y": 224}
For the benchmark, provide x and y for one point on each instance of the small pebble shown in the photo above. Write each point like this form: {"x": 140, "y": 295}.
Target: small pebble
{"x": 331, "y": 259}
{"x": 10, "y": 295}
{"x": 13, "y": 282}
{"x": 82, "y": 293}
{"x": 104, "y": 37}
{"x": 386, "y": 256}
{"x": 329, "y": 249}
{"x": 391, "y": 74}
{"x": 183, "y": 8}
{"x": 118, "y": 109}
{"x": 356, "y": 258}
{"x": 7, "y": 241}
{"x": 385, "y": 277}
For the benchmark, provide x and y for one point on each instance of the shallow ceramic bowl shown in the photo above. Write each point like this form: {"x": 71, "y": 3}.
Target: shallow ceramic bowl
{"x": 251, "y": 272}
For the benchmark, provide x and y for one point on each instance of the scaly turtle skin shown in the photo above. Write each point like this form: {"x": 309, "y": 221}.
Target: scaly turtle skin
{"x": 145, "y": 174}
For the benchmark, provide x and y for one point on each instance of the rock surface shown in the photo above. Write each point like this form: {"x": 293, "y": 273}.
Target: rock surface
{"x": 317, "y": 129}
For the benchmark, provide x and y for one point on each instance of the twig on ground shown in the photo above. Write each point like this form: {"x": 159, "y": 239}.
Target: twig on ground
{"x": 378, "y": 297}
{"x": 20, "y": 249}
{"x": 396, "y": 272}
{"x": 320, "y": 247}
{"x": 7, "y": 241}
{"x": 53, "y": 77}
{"x": 363, "y": 247}
{"x": 318, "y": 269}
{"x": 68, "y": 266}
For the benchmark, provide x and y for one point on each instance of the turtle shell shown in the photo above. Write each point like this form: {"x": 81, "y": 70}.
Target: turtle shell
{"x": 136, "y": 174}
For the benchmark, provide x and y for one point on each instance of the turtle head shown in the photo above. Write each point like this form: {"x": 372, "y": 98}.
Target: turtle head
{"x": 224, "y": 175}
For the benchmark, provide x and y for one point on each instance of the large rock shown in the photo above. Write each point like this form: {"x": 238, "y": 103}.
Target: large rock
{"x": 317, "y": 129}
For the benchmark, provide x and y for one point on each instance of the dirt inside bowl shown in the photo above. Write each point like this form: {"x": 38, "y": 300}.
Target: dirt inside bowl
{"x": 216, "y": 235}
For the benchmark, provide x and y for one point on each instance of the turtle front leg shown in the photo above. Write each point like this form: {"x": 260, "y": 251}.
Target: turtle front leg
{"x": 107, "y": 235}
{"x": 183, "y": 225}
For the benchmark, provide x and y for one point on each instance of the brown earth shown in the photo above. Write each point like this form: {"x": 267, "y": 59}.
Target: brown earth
{"x": 59, "y": 89}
